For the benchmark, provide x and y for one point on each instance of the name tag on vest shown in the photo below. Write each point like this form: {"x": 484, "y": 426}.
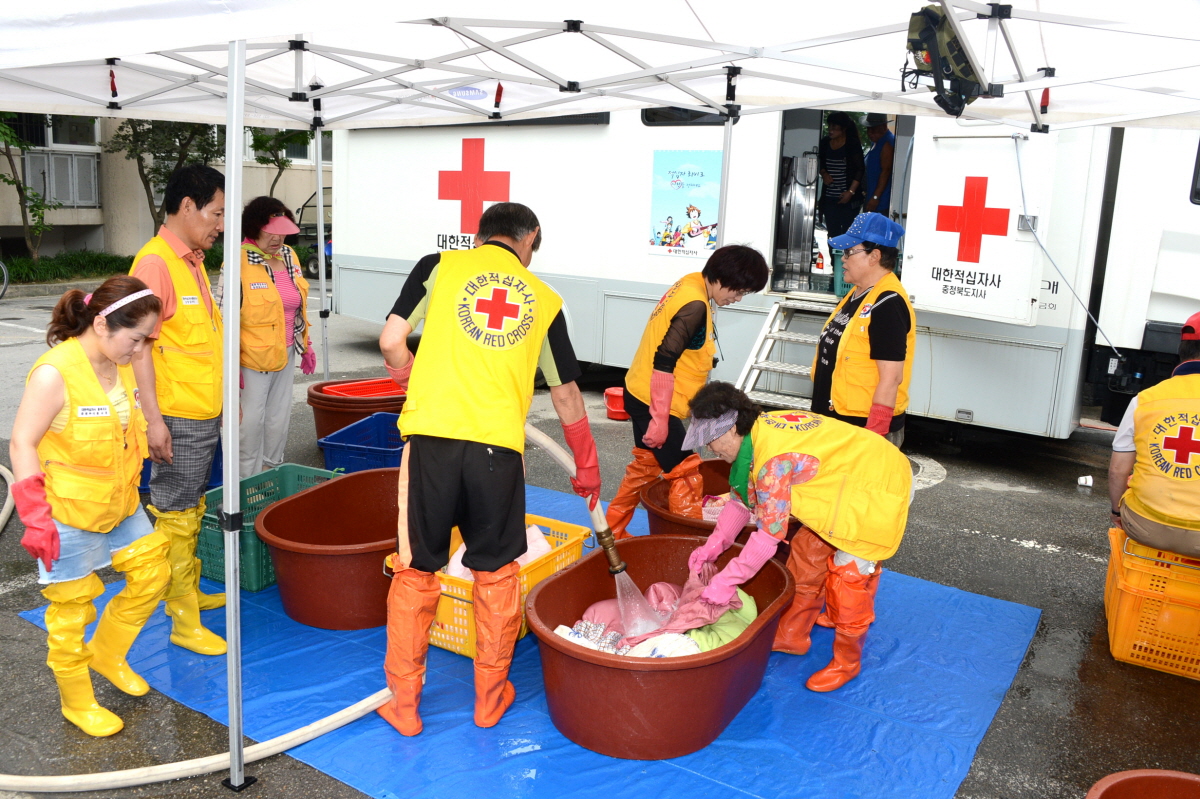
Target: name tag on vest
{"x": 190, "y": 300}
{"x": 258, "y": 285}
{"x": 92, "y": 411}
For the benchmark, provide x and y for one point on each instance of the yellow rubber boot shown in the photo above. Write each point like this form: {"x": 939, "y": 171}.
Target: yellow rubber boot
{"x": 206, "y": 601}
{"x": 497, "y": 600}
{"x": 183, "y": 603}
{"x": 412, "y": 605}
{"x": 144, "y": 563}
{"x": 70, "y": 612}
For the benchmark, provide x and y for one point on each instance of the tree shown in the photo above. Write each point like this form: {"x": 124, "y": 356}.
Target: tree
{"x": 270, "y": 148}
{"x": 159, "y": 148}
{"x": 33, "y": 205}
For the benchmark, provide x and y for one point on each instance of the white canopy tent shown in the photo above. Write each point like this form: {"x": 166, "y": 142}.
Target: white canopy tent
{"x": 374, "y": 64}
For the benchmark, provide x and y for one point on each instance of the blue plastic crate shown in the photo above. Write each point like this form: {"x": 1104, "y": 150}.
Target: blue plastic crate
{"x": 214, "y": 475}
{"x": 371, "y": 443}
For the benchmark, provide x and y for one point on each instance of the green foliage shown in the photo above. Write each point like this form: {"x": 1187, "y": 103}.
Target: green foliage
{"x": 159, "y": 148}
{"x": 67, "y": 265}
{"x": 33, "y": 205}
{"x": 270, "y": 148}
{"x": 214, "y": 258}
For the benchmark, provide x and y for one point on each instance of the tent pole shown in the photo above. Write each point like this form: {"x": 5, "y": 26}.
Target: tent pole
{"x": 318, "y": 126}
{"x": 731, "y": 114}
{"x": 231, "y": 516}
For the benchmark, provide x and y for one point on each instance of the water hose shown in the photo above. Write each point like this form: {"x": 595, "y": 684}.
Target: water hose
{"x": 7, "y": 510}
{"x": 604, "y": 536}
{"x": 109, "y": 780}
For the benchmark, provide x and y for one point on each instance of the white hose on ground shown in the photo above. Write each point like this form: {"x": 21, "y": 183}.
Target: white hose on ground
{"x": 192, "y": 768}
{"x": 7, "y": 510}
{"x": 563, "y": 459}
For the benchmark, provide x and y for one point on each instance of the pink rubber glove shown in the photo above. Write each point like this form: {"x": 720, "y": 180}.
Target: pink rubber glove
{"x": 41, "y": 534}
{"x": 731, "y": 521}
{"x": 757, "y": 551}
{"x": 662, "y": 386}
{"x": 586, "y": 481}
{"x": 880, "y": 419}
{"x": 400, "y": 376}
{"x": 308, "y": 361}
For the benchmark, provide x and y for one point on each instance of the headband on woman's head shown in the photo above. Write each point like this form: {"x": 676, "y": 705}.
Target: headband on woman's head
{"x": 705, "y": 431}
{"x": 137, "y": 295}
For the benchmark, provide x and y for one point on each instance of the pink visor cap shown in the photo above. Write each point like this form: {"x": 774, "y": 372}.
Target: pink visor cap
{"x": 280, "y": 225}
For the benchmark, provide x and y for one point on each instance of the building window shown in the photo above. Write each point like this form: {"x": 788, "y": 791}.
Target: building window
{"x": 327, "y": 146}
{"x": 77, "y": 131}
{"x": 29, "y": 127}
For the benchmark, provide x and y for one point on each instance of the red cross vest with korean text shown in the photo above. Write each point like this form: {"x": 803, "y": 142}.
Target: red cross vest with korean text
{"x": 1166, "y": 434}
{"x": 693, "y": 366}
{"x": 486, "y": 321}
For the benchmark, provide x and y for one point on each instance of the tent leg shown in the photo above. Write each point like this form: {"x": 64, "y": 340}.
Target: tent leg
{"x": 722, "y": 210}
{"x": 230, "y": 508}
{"x": 317, "y": 131}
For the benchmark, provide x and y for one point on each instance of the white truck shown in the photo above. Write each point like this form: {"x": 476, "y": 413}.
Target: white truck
{"x": 1002, "y": 342}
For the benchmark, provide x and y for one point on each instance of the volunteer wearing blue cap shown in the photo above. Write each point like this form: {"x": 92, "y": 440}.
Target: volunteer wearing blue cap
{"x": 864, "y": 356}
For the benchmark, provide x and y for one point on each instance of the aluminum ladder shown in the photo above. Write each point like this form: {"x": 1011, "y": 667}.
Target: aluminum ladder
{"x": 766, "y": 359}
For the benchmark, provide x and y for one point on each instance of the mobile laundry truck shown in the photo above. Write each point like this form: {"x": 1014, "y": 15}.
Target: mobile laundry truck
{"x": 629, "y": 203}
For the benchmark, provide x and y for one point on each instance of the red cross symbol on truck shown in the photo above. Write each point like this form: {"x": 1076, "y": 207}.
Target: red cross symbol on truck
{"x": 1183, "y": 445}
{"x": 472, "y": 186}
{"x": 498, "y": 308}
{"x": 972, "y": 220}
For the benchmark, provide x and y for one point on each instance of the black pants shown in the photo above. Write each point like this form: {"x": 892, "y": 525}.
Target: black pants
{"x": 480, "y": 488}
{"x": 671, "y": 453}
{"x": 838, "y": 216}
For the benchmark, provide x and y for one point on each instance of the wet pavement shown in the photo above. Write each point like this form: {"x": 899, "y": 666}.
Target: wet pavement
{"x": 997, "y": 514}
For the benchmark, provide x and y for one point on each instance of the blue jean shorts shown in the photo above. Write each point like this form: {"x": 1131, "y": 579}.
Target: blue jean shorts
{"x": 81, "y": 552}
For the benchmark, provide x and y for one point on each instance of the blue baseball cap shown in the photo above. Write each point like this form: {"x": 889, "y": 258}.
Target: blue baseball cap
{"x": 872, "y": 227}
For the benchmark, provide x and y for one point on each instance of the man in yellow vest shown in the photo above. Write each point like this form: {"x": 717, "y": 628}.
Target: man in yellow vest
{"x": 1154, "y": 473}
{"x": 489, "y": 324}
{"x": 183, "y": 365}
{"x": 864, "y": 358}
{"x": 848, "y": 487}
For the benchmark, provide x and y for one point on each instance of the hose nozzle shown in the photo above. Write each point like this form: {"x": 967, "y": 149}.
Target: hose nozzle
{"x": 605, "y": 538}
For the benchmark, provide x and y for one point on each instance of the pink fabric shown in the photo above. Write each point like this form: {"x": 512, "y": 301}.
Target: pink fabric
{"x": 290, "y": 296}
{"x": 692, "y": 611}
{"x": 661, "y": 596}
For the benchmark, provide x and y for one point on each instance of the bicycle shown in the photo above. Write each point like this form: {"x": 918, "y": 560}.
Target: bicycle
{"x": 3, "y": 279}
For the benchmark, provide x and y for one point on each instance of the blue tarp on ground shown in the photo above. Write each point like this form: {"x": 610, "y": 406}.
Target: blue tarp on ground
{"x": 936, "y": 667}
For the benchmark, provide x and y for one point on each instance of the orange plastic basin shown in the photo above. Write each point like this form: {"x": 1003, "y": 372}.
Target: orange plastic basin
{"x": 1147, "y": 784}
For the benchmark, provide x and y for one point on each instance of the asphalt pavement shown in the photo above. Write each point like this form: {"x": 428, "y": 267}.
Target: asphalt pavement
{"x": 996, "y": 514}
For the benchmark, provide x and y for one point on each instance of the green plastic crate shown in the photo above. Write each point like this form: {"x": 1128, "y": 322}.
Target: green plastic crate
{"x": 258, "y": 492}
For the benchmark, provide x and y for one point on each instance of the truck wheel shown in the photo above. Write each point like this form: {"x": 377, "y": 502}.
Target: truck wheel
{"x": 312, "y": 267}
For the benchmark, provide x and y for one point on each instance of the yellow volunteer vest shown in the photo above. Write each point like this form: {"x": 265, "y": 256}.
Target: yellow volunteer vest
{"x": 92, "y": 467}
{"x": 264, "y": 329}
{"x": 858, "y": 500}
{"x": 1166, "y": 434}
{"x": 691, "y": 371}
{"x": 486, "y": 321}
{"x": 855, "y": 376}
{"x": 187, "y": 354}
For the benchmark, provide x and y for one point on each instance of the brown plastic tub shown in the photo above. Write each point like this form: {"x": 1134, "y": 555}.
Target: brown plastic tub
{"x": 648, "y": 708}
{"x": 328, "y": 543}
{"x": 655, "y": 499}
{"x": 331, "y": 413}
{"x": 1147, "y": 784}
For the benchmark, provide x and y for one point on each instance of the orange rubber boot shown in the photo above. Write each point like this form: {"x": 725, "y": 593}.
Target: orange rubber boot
{"x": 850, "y": 598}
{"x": 808, "y": 562}
{"x": 412, "y": 605}
{"x": 687, "y": 488}
{"x": 824, "y": 621}
{"x": 640, "y": 472}
{"x": 497, "y": 622}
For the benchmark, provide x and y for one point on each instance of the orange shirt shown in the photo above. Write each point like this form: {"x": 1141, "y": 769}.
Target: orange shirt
{"x": 152, "y": 271}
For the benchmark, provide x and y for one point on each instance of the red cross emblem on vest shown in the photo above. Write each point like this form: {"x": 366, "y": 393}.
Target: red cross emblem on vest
{"x": 498, "y": 308}
{"x": 972, "y": 220}
{"x": 791, "y": 417}
{"x": 472, "y": 186}
{"x": 1183, "y": 445}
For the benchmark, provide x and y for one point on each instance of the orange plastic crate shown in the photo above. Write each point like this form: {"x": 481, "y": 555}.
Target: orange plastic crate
{"x": 454, "y": 626}
{"x": 374, "y": 387}
{"x": 1152, "y": 600}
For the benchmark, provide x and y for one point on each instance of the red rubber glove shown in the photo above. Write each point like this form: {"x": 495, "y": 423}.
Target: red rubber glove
{"x": 400, "y": 376}
{"x": 586, "y": 481}
{"x": 757, "y": 551}
{"x": 731, "y": 521}
{"x": 662, "y": 386}
{"x": 41, "y": 534}
{"x": 880, "y": 419}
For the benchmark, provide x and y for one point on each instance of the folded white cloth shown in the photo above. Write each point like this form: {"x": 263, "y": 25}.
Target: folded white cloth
{"x": 563, "y": 631}
{"x": 668, "y": 645}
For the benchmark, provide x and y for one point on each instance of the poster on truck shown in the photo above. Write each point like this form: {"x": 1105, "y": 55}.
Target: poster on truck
{"x": 684, "y": 202}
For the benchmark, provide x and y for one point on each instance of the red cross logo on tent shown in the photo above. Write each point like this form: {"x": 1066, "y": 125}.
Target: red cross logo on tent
{"x": 472, "y": 186}
{"x": 1183, "y": 445}
{"x": 972, "y": 220}
{"x": 498, "y": 308}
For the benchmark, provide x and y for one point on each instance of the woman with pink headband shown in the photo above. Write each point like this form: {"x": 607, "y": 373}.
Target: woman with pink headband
{"x": 77, "y": 448}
